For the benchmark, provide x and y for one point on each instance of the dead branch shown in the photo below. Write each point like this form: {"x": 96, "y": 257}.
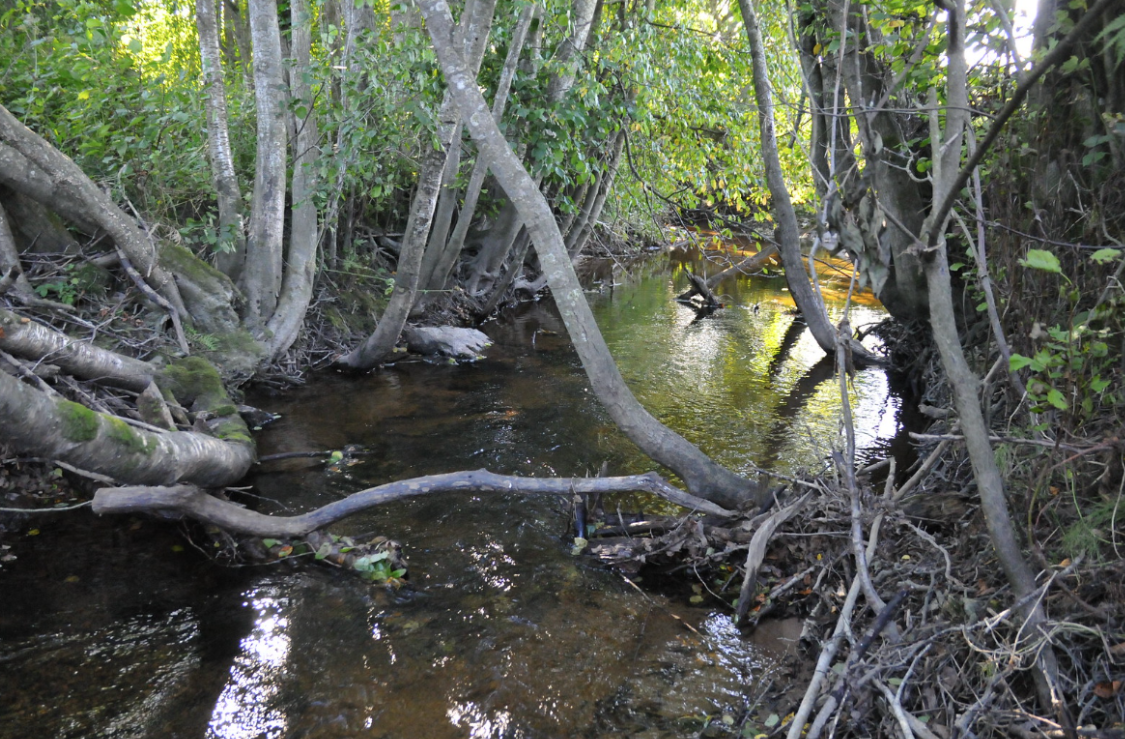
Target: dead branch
{"x": 191, "y": 501}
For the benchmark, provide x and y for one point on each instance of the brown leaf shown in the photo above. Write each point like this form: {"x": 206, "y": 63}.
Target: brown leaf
{"x": 1118, "y": 650}
{"x": 1107, "y": 690}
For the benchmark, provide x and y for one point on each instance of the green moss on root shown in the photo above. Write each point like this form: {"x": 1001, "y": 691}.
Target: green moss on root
{"x": 79, "y": 422}
{"x": 127, "y": 437}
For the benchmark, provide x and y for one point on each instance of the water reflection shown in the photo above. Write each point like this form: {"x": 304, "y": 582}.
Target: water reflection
{"x": 247, "y": 708}
{"x": 502, "y": 633}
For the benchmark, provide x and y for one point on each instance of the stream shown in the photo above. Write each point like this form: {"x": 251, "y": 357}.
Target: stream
{"x": 120, "y": 628}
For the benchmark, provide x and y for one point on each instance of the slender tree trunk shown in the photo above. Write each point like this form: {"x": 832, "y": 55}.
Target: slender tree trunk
{"x": 232, "y": 240}
{"x": 963, "y": 382}
{"x": 235, "y": 21}
{"x": 605, "y": 187}
{"x": 297, "y": 286}
{"x": 10, "y": 270}
{"x": 261, "y": 277}
{"x": 788, "y": 232}
{"x": 566, "y": 56}
{"x": 703, "y": 477}
{"x": 381, "y": 343}
{"x": 438, "y": 264}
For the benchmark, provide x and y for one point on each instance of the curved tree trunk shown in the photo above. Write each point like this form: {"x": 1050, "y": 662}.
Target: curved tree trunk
{"x": 232, "y": 239}
{"x": 190, "y": 501}
{"x": 788, "y": 233}
{"x": 297, "y": 287}
{"x": 703, "y": 477}
{"x": 261, "y": 275}
{"x": 381, "y": 343}
{"x": 30, "y": 165}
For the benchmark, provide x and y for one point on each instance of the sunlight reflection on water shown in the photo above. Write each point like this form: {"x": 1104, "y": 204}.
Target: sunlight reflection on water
{"x": 246, "y": 706}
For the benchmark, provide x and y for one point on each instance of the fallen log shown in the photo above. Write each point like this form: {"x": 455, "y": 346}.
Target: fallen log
{"x": 193, "y": 502}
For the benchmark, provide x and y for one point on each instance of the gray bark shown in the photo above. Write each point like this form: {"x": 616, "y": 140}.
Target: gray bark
{"x": 581, "y": 232}
{"x": 963, "y": 382}
{"x": 381, "y": 343}
{"x": 189, "y": 501}
{"x": 10, "y": 260}
{"x": 703, "y": 477}
{"x": 261, "y": 276}
{"x": 437, "y": 265}
{"x": 30, "y": 165}
{"x": 231, "y": 234}
{"x": 37, "y": 423}
{"x": 25, "y": 338}
{"x": 788, "y": 232}
{"x": 297, "y": 287}
{"x": 566, "y": 56}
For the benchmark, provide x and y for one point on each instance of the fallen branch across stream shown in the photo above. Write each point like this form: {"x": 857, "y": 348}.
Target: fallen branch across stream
{"x": 191, "y": 501}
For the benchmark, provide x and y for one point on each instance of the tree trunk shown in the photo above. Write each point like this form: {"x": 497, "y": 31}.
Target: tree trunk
{"x": 381, "y": 343}
{"x": 566, "y": 56}
{"x": 788, "y": 233}
{"x": 10, "y": 270}
{"x": 297, "y": 286}
{"x": 51, "y": 427}
{"x": 703, "y": 477}
{"x": 232, "y": 241}
{"x": 30, "y": 165}
{"x": 36, "y": 342}
{"x": 190, "y": 501}
{"x": 581, "y": 232}
{"x": 436, "y": 267}
{"x": 261, "y": 276}
{"x": 235, "y": 23}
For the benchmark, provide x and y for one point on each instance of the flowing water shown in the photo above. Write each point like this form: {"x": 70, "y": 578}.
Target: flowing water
{"x": 121, "y": 629}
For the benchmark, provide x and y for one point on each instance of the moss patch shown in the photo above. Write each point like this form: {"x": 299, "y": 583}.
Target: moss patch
{"x": 127, "y": 437}
{"x": 79, "y": 422}
{"x": 194, "y": 381}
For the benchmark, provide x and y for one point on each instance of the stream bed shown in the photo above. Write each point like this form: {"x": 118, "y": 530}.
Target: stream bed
{"x": 120, "y": 628}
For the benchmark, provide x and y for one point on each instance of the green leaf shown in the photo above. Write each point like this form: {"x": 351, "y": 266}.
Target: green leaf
{"x": 1042, "y": 260}
{"x": 772, "y": 721}
{"x": 1057, "y": 399}
{"x": 1016, "y": 362}
{"x": 1103, "y": 256}
{"x": 324, "y": 551}
{"x": 336, "y": 457}
{"x": 270, "y": 543}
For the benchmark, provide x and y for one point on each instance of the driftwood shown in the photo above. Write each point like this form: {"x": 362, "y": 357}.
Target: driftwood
{"x": 191, "y": 501}
{"x": 449, "y": 341}
{"x": 705, "y": 288}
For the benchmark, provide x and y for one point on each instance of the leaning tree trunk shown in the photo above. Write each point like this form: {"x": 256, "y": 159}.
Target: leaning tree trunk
{"x": 703, "y": 476}
{"x": 437, "y": 266}
{"x": 261, "y": 276}
{"x": 31, "y": 166}
{"x": 964, "y": 384}
{"x": 788, "y": 232}
{"x": 381, "y": 343}
{"x": 297, "y": 287}
{"x": 232, "y": 242}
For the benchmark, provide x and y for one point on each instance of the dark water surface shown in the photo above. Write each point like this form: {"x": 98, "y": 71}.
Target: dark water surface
{"x": 119, "y": 628}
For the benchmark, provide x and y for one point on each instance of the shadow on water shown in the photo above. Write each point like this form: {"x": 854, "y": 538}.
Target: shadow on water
{"x": 119, "y": 629}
